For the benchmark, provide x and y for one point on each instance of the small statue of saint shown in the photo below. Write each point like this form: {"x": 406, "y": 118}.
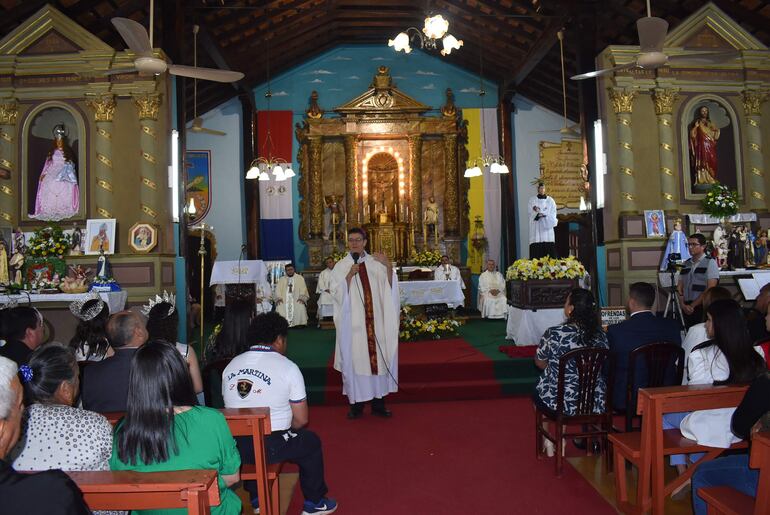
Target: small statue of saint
{"x": 76, "y": 241}
{"x": 58, "y": 195}
{"x": 5, "y": 278}
{"x": 760, "y": 248}
{"x": 430, "y": 217}
{"x": 748, "y": 244}
{"x": 737, "y": 248}
{"x": 676, "y": 248}
{"x": 15, "y": 265}
{"x": 103, "y": 268}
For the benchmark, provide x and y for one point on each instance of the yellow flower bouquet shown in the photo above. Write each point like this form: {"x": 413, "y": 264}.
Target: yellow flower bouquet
{"x": 545, "y": 268}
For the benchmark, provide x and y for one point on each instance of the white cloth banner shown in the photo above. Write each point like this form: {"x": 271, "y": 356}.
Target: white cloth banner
{"x": 116, "y": 300}
{"x": 526, "y": 327}
{"x": 492, "y": 200}
{"x": 416, "y": 293}
{"x": 708, "y": 219}
{"x": 275, "y": 199}
{"x": 231, "y": 272}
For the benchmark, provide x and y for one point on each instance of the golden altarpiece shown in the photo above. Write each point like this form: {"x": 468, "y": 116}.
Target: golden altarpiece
{"x": 53, "y": 71}
{"x": 379, "y": 162}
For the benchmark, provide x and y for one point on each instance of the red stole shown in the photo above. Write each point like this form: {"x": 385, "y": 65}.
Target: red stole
{"x": 369, "y": 317}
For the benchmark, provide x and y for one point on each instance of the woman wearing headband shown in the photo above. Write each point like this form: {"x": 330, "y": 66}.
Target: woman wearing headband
{"x": 90, "y": 341}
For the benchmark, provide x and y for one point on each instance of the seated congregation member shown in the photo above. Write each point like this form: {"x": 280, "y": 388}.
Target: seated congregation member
{"x": 164, "y": 430}
{"x": 697, "y": 333}
{"x": 230, "y": 338}
{"x": 582, "y": 329}
{"x": 105, "y": 383}
{"x": 163, "y": 324}
{"x": 90, "y": 341}
{"x": 22, "y": 329}
{"x": 698, "y": 274}
{"x": 641, "y": 328}
{"x": 291, "y": 297}
{"x": 751, "y": 415}
{"x": 264, "y": 377}
{"x": 755, "y": 317}
{"x": 46, "y": 493}
{"x": 728, "y": 357}
{"x": 492, "y": 302}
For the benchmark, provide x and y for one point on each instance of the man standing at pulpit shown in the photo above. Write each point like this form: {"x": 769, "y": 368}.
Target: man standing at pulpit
{"x": 291, "y": 297}
{"x": 366, "y": 318}
{"x": 446, "y": 271}
{"x": 492, "y": 301}
{"x": 541, "y": 211}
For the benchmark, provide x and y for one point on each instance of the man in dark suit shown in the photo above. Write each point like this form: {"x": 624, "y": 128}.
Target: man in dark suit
{"x": 105, "y": 383}
{"x": 641, "y": 328}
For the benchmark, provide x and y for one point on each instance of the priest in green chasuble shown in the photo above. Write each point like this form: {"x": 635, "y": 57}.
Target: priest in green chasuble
{"x": 366, "y": 318}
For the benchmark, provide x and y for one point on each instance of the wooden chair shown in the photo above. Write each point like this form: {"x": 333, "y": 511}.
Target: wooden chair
{"x": 664, "y": 364}
{"x": 588, "y": 364}
{"x": 723, "y": 500}
{"x": 255, "y": 423}
{"x": 195, "y": 490}
{"x": 648, "y": 449}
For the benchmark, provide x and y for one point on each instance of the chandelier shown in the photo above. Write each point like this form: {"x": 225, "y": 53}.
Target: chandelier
{"x": 489, "y": 162}
{"x": 436, "y": 28}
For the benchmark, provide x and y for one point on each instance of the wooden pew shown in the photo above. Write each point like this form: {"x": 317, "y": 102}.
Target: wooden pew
{"x": 649, "y": 448}
{"x": 195, "y": 490}
{"x": 723, "y": 500}
{"x": 255, "y": 423}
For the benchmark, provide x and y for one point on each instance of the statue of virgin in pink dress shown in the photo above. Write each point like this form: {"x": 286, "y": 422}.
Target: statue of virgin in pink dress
{"x": 58, "y": 195}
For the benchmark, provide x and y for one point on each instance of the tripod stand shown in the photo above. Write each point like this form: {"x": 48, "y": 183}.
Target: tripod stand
{"x": 672, "y": 303}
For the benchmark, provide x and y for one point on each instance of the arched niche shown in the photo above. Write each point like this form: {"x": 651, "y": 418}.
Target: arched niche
{"x": 36, "y": 142}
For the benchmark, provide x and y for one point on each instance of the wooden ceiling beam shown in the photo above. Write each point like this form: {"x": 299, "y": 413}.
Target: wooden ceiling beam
{"x": 548, "y": 38}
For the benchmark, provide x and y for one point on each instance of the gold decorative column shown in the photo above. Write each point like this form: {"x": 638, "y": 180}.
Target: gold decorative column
{"x": 755, "y": 162}
{"x": 664, "y": 106}
{"x": 415, "y": 178}
{"x": 104, "y": 109}
{"x": 316, "y": 190}
{"x": 450, "y": 193}
{"x": 147, "y": 107}
{"x": 9, "y": 200}
{"x": 622, "y": 103}
{"x": 351, "y": 204}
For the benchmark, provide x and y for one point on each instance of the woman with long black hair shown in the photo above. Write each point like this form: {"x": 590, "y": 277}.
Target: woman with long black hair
{"x": 90, "y": 341}
{"x": 164, "y": 430}
{"x": 231, "y": 337}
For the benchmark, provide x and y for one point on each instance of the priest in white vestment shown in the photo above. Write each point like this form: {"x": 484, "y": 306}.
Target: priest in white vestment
{"x": 324, "y": 291}
{"x": 492, "y": 301}
{"x": 366, "y": 318}
{"x": 542, "y": 220}
{"x": 446, "y": 271}
{"x": 291, "y": 297}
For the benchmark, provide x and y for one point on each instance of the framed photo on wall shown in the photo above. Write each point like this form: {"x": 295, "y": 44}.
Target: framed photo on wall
{"x": 655, "y": 223}
{"x": 100, "y": 233}
{"x": 142, "y": 237}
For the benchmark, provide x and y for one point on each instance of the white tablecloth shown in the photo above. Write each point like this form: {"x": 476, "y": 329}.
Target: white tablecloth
{"x": 416, "y": 293}
{"x": 701, "y": 218}
{"x": 116, "y": 300}
{"x": 526, "y": 327}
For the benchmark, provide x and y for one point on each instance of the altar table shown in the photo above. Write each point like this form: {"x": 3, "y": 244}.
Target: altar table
{"x": 526, "y": 326}
{"x": 415, "y": 293}
{"x": 116, "y": 300}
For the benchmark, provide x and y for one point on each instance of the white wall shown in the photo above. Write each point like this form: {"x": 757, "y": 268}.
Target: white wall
{"x": 529, "y": 117}
{"x": 227, "y": 170}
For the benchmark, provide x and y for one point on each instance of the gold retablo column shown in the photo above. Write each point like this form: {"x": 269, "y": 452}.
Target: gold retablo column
{"x": 664, "y": 106}
{"x": 451, "y": 217}
{"x": 415, "y": 178}
{"x": 103, "y": 108}
{"x": 622, "y": 103}
{"x": 9, "y": 199}
{"x": 316, "y": 190}
{"x": 147, "y": 107}
{"x": 351, "y": 204}
{"x": 755, "y": 161}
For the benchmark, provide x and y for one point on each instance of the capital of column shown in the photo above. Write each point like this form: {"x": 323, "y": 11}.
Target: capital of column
{"x": 664, "y": 99}
{"x": 622, "y": 99}
{"x": 9, "y": 111}
{"x": 103, "y": 107}
{"x": 752, "y": 101}
{"x": 148, "y": 106}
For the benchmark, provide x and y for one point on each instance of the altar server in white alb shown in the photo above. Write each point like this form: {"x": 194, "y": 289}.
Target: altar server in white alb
{"x": 291, "y": 297}
{"x": 446, "y": 271}
{"x": 492, "y": 301}
{"x": 542, "y": 219}
{"x": 324, "y": 291}
{"x": 366, "y": 317}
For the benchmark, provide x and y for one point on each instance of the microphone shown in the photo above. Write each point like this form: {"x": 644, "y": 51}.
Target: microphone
{"x": 355, "y": 256}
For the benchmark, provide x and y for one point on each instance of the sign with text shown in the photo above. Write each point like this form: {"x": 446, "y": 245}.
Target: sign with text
{"x": 561, "y": 173}
{"x": 612, "y": 315}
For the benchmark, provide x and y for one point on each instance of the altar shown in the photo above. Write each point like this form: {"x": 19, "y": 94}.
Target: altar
{"x": 526, "y": 326}
{"x": 416, "y": 293}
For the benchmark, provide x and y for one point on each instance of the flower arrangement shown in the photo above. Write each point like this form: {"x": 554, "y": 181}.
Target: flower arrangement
{"x": 49, "y": 241}
{"x": 426, "y": 258}
{"x": 415, "y": 328}
{"x": 337, "y": 255}
{"x": 720, "y": 201}
{"x": 545, "y": 268}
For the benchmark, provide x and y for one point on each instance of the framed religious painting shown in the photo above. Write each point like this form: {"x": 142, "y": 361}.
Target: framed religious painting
{"x": 198, "y": 185}
{"x": 100, "y": 234}
{"x": 710, "y": 137}
{"x": 655, "y": 223}
{"x": 142, "y": 237}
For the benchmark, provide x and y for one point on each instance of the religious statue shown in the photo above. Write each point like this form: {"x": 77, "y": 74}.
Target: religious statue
{"x": 748, "y": 244}
{"x": 16, "y": 264}
{"x": 4, "y": 276}
{"x": 737, "y": 248}
{"x": 721, "y": 246}
{"x": 101, "y": 241}
{"x": 76, "y": 241}
{"x": 103, "y": 268}
{"x": 703, "y": 148}
{"x": 314, "y": 110}
{"x": 449, "y": 109}
{"x": 676, "y": 248}
{"x": 332, "y": 217}
{"x": 430, "y": 220}
{"x": 58, "y": 195}
{"x": 760, "y": 248}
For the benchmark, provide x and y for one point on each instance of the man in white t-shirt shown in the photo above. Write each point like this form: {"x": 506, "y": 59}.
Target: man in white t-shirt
{"x": 264, "y": 377}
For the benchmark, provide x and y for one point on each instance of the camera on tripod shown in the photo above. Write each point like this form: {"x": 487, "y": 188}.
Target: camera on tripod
{"x": 674, "y": 262}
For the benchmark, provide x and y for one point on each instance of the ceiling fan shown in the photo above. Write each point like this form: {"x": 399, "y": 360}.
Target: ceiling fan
{"x": 197, "y": 123}
{"x": 652, "y": 34}
{"x": 139, "y": 41}
{"x": 569, "y": 131}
